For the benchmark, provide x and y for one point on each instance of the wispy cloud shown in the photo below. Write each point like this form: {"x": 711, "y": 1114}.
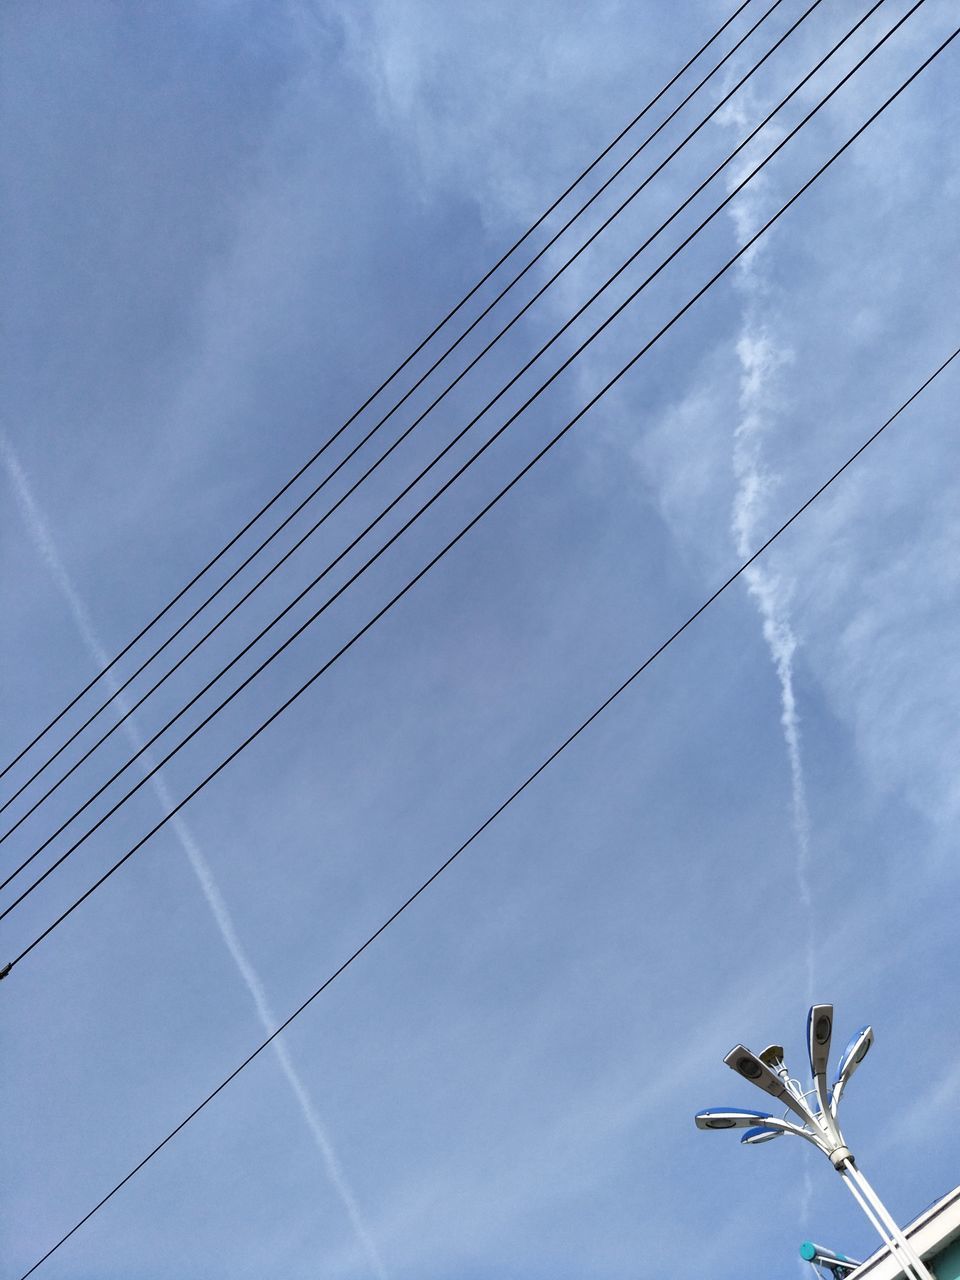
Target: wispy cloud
{"x": 759, "y": 361}
{"x": 40, "y": 533}
{"x": 761, "y": 357}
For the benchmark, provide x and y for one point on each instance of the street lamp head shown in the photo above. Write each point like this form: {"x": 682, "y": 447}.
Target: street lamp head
{"x": 772, "y": 1057}
{"x": 852, "y": 1056}
{"x": 760, "y": 1133}
{"x": 750, "y": 1067}
{"x": 729, "y": 1118}
{"x": 836, "y": 1263}
{"x": 855, "y": 1052}
{"x": 819, "y": 1034}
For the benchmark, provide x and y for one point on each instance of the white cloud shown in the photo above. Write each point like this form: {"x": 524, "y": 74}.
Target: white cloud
{"x": 213, "y": 896}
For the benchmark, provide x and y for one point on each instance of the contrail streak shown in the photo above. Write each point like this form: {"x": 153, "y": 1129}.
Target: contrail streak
{"x": 760, "y": 360}
{"x": 39, "y": 531}
{"x": 758, "y": 363}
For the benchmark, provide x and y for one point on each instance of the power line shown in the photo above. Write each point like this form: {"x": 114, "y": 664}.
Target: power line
{"x": 146, "y": 745}
{"x": 462, "y": 533}
{"x": 406, "y": 395}
{"x": 390, "y": 378}
{"x": 411, "y": 520}
{"x": 408, "y": 431}
{"x": 595, "y": 714}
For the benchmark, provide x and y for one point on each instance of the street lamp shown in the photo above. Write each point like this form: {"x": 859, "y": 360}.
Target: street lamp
{"x": 816, "y": 1109}
{"x": 822, "y": 1259}
{"x": 819, "y": 1035}
{"x": 852, "y": 1056}
{"x": 762, "y": 1133}
{"x": 729, "y": 1118}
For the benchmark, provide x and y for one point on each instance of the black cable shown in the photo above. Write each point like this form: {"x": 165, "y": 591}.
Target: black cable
{"x": 493, "y": 816}
{"x": 411, "y": 520}
{"x": 479, "y": 516}
{"x": 416, "y": 422}
{"x": 406, "y": 395}
{"x": 383, "y": 385}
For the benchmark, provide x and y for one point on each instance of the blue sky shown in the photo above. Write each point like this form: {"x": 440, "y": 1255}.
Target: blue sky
{"x": 223, "y": 225}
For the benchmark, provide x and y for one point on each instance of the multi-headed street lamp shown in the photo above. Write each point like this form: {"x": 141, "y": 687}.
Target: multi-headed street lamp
{"x": 812, "y": 1114}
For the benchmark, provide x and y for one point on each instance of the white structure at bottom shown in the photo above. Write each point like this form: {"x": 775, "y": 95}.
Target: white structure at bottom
{"x": 934, "y": 1235}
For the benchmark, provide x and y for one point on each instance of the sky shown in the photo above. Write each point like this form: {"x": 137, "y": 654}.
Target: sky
{"x": 224, "y": 224}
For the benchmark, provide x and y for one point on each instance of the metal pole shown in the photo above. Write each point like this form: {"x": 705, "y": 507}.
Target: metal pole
{"x": 889, "y": 1222}
{"x": 892, "y": 1245}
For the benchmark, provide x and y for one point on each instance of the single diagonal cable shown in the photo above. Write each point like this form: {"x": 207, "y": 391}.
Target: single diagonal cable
{"x": 475, "y": 520}
{"x": 304, "y": 537}
{"x": 382, "y": 387}
{"x": 514, "y": 795}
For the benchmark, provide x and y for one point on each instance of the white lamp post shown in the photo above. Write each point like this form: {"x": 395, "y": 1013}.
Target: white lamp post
{"x": 816, "y": 1110}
